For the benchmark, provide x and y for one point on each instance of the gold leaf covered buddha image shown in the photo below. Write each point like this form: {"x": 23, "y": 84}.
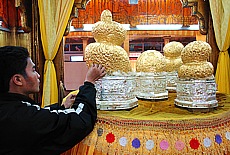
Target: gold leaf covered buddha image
{"x": 150, "y": 61}
{"x": 172, "y": 52}
{"x": 195, "y": 64}
{"x": 151, "y": 79}
{"x": 109, "y": 36}
{"x": 196, "y": 87}
{"x": 116, "y": 90}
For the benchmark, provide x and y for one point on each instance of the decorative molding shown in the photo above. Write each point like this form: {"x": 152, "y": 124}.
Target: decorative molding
{"x": 74, "y": 14}
{"x": 146, "y": 12}
{"x": 78, "y": 4}
{"x": 81, "y": 4}
{"x": 23, "y": 14}
{"x": 203, "y": 25}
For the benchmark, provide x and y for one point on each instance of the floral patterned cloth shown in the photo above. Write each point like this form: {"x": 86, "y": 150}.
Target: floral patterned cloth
{"x": 161, "y": 128}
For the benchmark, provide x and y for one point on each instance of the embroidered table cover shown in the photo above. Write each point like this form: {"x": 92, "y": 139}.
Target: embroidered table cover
{"x": 159, "y": 127}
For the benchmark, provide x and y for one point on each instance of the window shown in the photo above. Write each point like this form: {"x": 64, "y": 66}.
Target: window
{"x": 73, "y": 49}
{"x": 133, "y": 1}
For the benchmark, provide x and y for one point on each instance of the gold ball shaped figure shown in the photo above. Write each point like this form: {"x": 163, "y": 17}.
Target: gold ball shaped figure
{"x": 196, "y": 70}
{"x": 172, "y": 53}
{"x": 195, "y": 65}
{"x": 173, "y": 49}
{"x": 113, "y": 58}
{"x": 150, "y": 61}
{"x": 109, "y": 31}
{"x": 172, "y": 64}
{"x": 196, "y": 51}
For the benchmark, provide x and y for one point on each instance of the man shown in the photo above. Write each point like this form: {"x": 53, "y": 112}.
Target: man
{"x": 27, "y": 129}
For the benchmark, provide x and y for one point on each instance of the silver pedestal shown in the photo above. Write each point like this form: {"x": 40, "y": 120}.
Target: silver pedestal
{"x": 152, "y": 86}
{"x": 116, "y": 92}
{"x": 171, "y": 80}
{"x": 196, "y": 93}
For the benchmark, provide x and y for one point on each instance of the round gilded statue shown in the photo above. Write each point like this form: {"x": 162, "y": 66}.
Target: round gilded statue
{"x": 107, "y": 50}
{"x": 172, "y": 53}
{"x": 195, "y": 64}
{"x": 150, "y": 61}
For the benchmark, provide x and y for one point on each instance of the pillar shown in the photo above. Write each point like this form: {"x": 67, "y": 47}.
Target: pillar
{"x": 85, "y": 43}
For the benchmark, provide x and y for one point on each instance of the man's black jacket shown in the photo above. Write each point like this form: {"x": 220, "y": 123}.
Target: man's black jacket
{"x": 27, "y": 129}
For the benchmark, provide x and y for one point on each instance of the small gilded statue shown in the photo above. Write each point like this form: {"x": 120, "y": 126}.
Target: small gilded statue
{"x": 150, "y": 61}
{"x": 109, "y": 36}
{"x": 196, "y": 87}
{"x": 172, "y": 53}
{"x": 151, "y": 81}
{"x": 195, "y": 64}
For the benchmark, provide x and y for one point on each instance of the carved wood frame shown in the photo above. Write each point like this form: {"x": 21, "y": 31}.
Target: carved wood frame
{"x": 200, "y": 14}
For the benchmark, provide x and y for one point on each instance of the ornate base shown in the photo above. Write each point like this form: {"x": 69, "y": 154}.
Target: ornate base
{"x": 116, "y": 92}
{"x": 117, "y": 105}
{"x": 196, "y": 94}
{"x": 195, "y": 105}
{"x": 171, "y": 80}
{"x": 151, "y": 86}
{"x": 152, "y": 96}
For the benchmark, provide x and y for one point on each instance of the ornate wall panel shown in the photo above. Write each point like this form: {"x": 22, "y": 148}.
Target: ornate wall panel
{"x": 15, "y": 14}
{"x": 137, "y": 34}
{"x": 146, "y": 12}
{"x": 4, "y": 13}
{"x": 1, "y": 8}
{"x": 9, "y": 14}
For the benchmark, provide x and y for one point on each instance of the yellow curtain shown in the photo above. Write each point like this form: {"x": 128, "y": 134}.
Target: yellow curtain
{"x": 221, "y": 22}
{"x": 54, "y": 15}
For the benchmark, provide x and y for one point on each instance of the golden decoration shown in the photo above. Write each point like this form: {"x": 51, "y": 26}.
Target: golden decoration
{"x": 109, "y": 31}
{"x": 150, "y": 61}
{"x": 196, "y": 51}
{"x": 107, "y": 50}
{"x": 196, "y": 70}
{"x": 195, "y": 64}
{"x": 172, "y": 53}
{"x": 112, "y": 57}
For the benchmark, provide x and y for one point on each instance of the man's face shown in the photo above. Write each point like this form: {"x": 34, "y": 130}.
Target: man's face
{"x": 32, "y": 81}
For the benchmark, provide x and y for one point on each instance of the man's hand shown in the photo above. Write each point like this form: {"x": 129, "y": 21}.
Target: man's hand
{"x": 94, "y": 73}
{"x": 68, "y": 102}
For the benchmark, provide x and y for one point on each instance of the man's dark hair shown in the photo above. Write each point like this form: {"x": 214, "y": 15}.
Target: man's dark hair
{"x": 13, "y": 60}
